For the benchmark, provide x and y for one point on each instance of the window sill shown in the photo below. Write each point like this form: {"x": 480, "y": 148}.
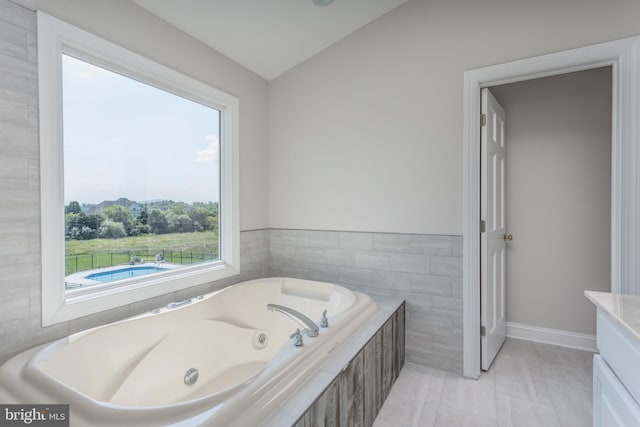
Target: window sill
{"x": 84, "y": 304}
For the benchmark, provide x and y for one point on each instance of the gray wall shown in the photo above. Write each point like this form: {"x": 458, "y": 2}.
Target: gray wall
{"x": 558, "y": 197}
{"x": 371, "y": 127}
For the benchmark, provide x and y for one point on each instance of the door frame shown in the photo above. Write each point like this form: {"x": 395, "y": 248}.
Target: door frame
{"x": 623, "y": 56}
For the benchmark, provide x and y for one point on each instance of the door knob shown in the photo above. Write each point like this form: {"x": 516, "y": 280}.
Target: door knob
{"x": 508, "y": 237}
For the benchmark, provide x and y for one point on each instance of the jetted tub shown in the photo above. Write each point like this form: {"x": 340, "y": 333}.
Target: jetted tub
{"x": 135, "y": 372}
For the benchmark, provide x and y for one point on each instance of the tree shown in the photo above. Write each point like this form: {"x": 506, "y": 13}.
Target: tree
{"x": 139, "y": 229}
{"x": 71, "y": 221}
{"x": 157, "y": 222}
{"x": 92, "y": 221}
{"x": 88, "y": 233}
{"x": 183, "y": 224}
{"x": 199, "y": 216}
{"x": 179, "y": 208}
{"x": 179, "y": 223}
{"x": 82, "y": 233}
{"x": 118, "y": 213}
{"x": 212, "y": 221}
{"x": 140, "y": 225}
{"x": 73, "y": 208}
{"x": 111, "y": 230}
{"x": 80, "y": 226}
{"x": 144, "y": 217}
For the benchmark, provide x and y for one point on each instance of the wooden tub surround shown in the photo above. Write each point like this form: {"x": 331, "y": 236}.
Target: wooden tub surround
{"x": 350, "y": 388}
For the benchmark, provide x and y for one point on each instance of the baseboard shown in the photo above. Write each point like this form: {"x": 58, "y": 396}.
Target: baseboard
{"x": 552, "y": 336}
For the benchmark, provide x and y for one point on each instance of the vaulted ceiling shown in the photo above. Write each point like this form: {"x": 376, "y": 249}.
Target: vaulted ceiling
{"x": 268, "y": 36}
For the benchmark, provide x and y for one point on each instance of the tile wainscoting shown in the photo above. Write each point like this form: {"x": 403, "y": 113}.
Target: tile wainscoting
{"x": 421, "y": 269}
{"x": 424, "y": 270}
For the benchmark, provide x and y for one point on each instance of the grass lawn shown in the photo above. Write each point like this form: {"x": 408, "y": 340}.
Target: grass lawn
{"x": 181, "y": 248}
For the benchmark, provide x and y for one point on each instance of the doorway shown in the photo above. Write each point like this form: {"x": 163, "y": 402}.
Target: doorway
{"x": 622, "y": 56}
{"x": 555, "y": 233}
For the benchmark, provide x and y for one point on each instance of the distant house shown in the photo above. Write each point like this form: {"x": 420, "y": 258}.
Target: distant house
{"x": 133, "y": 207}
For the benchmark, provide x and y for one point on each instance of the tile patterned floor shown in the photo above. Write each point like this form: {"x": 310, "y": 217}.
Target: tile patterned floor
{"x": 529, "y": 384}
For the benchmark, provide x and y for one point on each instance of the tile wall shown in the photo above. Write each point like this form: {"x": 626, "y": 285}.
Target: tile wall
{"x": 425, "y": 270}
{"x": 19, "y": 182}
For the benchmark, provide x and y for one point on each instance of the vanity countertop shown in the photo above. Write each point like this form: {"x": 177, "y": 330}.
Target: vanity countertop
{"x": 623, "y": 309}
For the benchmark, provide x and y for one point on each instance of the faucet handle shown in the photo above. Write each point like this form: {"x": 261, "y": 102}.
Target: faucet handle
{"x": 324, "y": 322}
{"x": 297, "y": 336}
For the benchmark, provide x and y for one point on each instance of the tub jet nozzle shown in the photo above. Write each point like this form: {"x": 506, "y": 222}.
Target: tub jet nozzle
{"x": 191, "y": 376}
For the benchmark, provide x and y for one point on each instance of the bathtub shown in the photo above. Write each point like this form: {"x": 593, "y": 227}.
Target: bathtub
{"x": 221, "y": 359}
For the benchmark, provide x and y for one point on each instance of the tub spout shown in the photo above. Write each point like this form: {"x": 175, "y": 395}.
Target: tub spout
{"x": 310, "y": 328}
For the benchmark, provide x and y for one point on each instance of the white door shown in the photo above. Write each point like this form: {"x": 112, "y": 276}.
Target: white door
{"x": 493, "y": 239}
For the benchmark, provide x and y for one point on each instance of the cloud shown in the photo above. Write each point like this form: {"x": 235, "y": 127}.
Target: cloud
{"x": 209, "y": 154}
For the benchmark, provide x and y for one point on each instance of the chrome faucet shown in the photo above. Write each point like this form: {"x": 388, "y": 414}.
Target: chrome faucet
{"x": 324, "y": 322}
{"x": 297, "y": 337}
{"x": 310, "y": 328}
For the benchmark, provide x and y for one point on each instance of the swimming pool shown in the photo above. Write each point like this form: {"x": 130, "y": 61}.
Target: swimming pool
{"x": 123, "y": 273}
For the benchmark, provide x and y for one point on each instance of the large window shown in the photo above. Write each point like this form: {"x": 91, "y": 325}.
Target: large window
{"x": 138, "y": 176}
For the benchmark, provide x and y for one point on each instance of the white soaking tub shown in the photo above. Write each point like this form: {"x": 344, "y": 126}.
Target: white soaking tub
{"x": 135, "y": 372}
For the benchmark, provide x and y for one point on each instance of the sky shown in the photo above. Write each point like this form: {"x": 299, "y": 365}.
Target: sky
{"x": 123, "y": 138}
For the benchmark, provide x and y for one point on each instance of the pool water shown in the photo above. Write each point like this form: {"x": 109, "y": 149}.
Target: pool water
{"x": 123, "y": 273}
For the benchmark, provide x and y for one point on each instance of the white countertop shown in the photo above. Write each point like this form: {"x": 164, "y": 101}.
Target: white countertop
{"x": 623, "y": 309}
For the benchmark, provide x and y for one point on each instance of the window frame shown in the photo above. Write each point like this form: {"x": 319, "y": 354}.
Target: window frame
{"x": 56, "y": 37}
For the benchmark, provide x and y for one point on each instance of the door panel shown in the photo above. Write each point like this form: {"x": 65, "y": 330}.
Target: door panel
{"x": 493, "y": 241}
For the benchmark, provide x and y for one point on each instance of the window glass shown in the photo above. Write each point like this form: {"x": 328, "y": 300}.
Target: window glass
{"x": 141, "y": 178}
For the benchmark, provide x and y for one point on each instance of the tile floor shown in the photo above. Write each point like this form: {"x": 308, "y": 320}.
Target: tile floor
{"x": 529, "y": 384}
